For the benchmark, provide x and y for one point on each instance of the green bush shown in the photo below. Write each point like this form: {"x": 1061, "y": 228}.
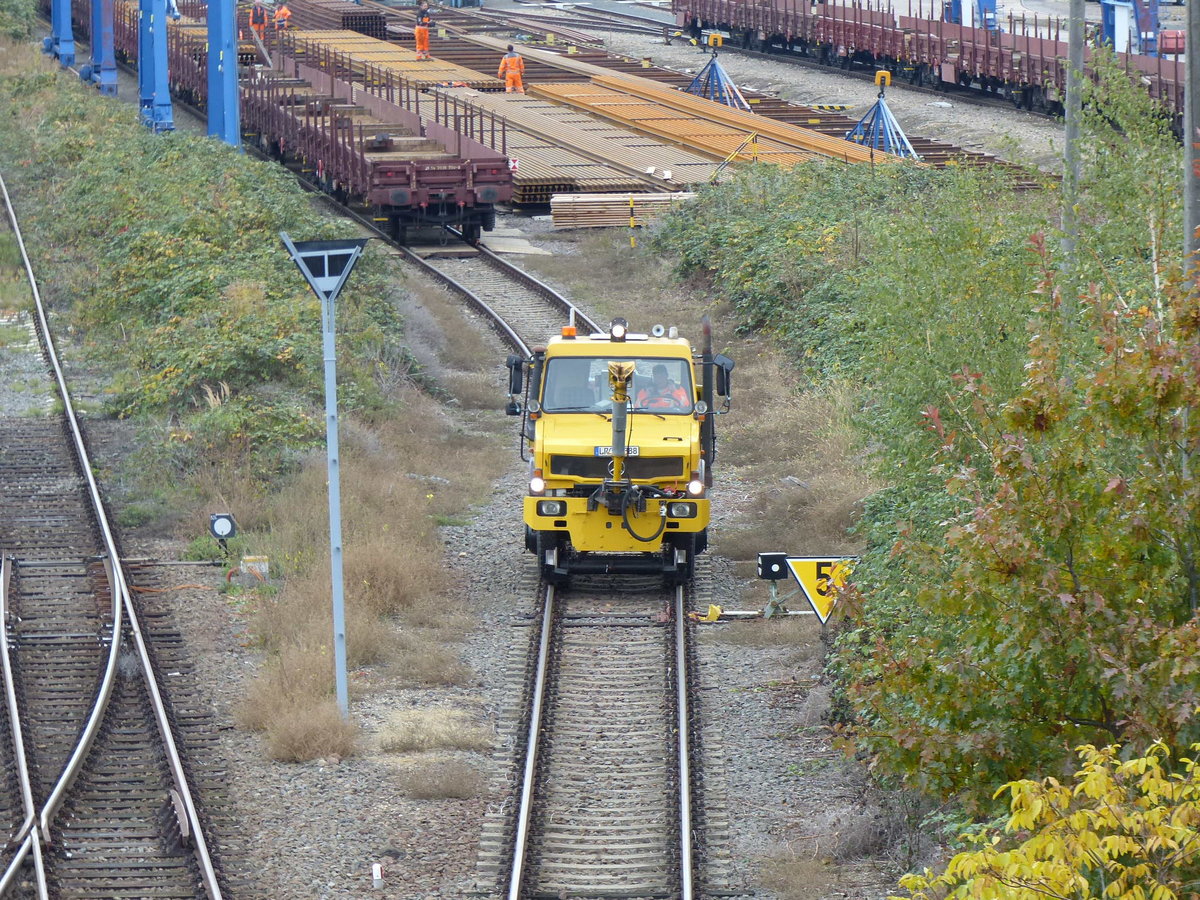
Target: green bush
{"x": 17, "y": 18}
{"x": 1023, "y": 588}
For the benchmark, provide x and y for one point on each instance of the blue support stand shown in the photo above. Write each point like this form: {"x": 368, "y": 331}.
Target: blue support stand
{"x": 224, "y": 120}
{"x": 103, "y": 70}
{"x": 713, "y": 83}
{"x": 61, "y": 43}
{"x": 879, "y": 128}
{"x": 154, "y": 95}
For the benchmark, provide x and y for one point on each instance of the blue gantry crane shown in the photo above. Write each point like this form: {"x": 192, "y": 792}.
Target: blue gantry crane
{"x": 1130, "y": 26}
{"x": 879, "y": 128}
{"x": 979, "y": 13}
{"x": 714, "y": 83}
{"x": 154, "y": 88}
{"x": 223, "y": 114}
{"x": 61, "y": 42}
{"x": 154, "y": 94}
{"x": 102, "y": 69}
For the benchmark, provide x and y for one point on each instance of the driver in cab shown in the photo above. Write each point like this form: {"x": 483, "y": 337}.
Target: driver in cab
{"x": 662, "y": 392}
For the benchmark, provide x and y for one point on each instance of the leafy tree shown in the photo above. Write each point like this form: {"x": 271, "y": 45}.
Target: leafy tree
{"x": 1117, "y": 830}
{"x": 1060, "y": 608}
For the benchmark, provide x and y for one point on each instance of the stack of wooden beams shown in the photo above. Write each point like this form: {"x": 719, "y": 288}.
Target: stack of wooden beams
{"x": 612, "y": 210}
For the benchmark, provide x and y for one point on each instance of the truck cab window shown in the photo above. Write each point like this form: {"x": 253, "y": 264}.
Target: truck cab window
{"x": 659, "y": 386}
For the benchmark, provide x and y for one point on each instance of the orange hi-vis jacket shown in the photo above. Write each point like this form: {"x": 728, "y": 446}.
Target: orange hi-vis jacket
{"x": 282, "y": 17}
{"x": 511, "y": 69}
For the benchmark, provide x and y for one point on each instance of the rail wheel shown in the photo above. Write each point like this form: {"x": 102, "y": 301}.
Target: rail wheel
{"x": 691, "y": 545}
{"x": 555, "y": 571}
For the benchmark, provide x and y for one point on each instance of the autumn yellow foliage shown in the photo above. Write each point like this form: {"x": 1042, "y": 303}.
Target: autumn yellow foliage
{"x": 1119, "y": 830}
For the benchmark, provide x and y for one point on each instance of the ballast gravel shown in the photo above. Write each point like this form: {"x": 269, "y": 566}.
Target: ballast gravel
{"x": 317, "y": 829}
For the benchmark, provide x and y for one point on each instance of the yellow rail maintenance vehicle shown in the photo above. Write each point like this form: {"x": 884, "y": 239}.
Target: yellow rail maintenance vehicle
{"x": 619, "y": 432}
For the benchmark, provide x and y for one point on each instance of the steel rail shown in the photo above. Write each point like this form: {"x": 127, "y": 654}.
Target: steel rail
{"x": 532, "y": 740}
{"x": 122, "y": 599}
{"x": 683, "y": 724}
{"x": 14, "y": 717}
{"x": 538, "y": 287}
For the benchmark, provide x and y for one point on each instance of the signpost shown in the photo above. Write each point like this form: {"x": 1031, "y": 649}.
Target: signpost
{"x": 817, "y": 577}
{"x": 326, "y": 265}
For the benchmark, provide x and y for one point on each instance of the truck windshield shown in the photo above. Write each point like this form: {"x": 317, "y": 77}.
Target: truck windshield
{"x": 580, "y": 384}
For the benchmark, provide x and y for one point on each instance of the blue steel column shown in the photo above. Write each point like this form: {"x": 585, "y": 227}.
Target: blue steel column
{"x": 104, "y": 61}
{"x": 61, "y": 42}
{"x": 223, "y": 113}
{"x": 154, "y": 93}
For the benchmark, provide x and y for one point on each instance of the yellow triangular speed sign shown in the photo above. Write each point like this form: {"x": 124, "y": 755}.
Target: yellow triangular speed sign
{"x": 819, "y": 577}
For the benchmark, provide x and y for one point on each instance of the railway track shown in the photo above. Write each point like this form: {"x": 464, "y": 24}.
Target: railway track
{"x": 605, "y": 792}
{"x": 608, "y": 790}
{"x": 94, "y": 744}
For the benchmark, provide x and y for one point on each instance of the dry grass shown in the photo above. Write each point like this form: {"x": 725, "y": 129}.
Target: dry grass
{"x": 22, "y": 57}
{"x": 477, "y": 390}
{"x": 421, "y": 730}
{"x": 293, "y": 678}
{"x": 800, "y": 878}
{"x": 798, "y": 447}
{"x": 399, "y": 479}
{"x": 443, "y": 335}
{"x": 423, "y": 658}
{"x": 440, "y": 779}
{"x": 311, "y": 731}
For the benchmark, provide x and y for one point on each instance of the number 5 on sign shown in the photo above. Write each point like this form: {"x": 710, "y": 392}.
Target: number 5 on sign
{"x": 819, "y": 577}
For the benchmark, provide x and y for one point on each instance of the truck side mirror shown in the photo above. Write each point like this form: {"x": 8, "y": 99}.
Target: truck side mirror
{"x": 516, "y": 380}
{"x": 724, "y": 366}
{"x": 513, "y": 408}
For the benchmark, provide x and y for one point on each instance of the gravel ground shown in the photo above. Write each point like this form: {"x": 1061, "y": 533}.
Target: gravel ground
{"x": 314, "y": 830}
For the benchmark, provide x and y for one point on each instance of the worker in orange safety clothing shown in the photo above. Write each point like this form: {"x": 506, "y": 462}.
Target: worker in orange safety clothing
{"x": 512, "y": 67}
{"x": 421, "y": 30}
{"x": 258, "y": 19}
{"x": 662, "y": 392}
{"x": 282, "y": 17}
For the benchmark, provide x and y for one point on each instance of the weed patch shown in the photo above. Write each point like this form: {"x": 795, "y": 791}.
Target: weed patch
{"x": 440, "y": 779}
{"x": 420, "y": 730}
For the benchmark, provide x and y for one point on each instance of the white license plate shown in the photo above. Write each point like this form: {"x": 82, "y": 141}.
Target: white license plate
{"x": 607, "y": 451}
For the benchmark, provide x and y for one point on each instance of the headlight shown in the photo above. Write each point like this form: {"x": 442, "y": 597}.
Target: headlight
{"x": 552, "y": 508}
{"x": 681, "y": 510}
{"x": 537, "y": 485}
{"x": 695, "y": 488}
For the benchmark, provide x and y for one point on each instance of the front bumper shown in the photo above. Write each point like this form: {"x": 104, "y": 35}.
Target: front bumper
{"x": 600, "y": 530}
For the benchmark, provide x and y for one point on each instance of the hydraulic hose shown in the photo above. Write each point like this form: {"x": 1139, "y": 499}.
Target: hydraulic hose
{"x": 662, "y": 525}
